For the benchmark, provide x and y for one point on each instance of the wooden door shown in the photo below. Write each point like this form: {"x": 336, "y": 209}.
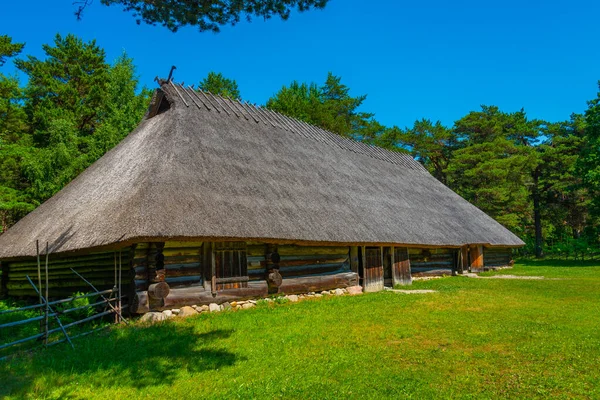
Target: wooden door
{"x": 401, "y": 268}
{"x": 373, "y": 270}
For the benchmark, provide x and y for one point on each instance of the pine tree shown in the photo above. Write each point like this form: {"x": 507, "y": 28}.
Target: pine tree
{"x": 329, "y": 106}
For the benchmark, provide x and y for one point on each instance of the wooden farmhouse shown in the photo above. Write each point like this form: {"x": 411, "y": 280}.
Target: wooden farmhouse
{"x": 213, "y": 200}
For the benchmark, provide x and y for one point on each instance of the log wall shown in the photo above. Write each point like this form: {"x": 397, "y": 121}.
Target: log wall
{"x": 303, "y": 269}
{"x": 182, "y": 261}
{"x": 497, "y": 257}
{"x": 425, "y": 262}
{"x": 298, "y": 261}
{"x": 98, "y": 268}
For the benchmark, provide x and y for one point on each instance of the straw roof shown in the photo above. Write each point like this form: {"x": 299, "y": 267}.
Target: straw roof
{"x": 208, "y": 167}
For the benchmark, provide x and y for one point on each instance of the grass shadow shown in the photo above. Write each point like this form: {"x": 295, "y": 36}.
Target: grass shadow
{"x": 136, "y": 356}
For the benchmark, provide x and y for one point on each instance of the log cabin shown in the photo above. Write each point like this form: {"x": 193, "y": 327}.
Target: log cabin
{"x": 212, "y": 199}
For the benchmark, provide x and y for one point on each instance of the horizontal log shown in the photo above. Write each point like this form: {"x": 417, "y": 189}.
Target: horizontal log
{"x": 197, "y": 295}
{"x": 431, "y": 257}
{"x": 434, "y": 252}
{"x": 318, "y": 282}
{"x": 431, "y": 264}
{"x": 171, "y": 272}
{"x": 291, "y": 250}
{"x": 497, "y": 258}
{"x": 183, "y": 280}
{"x": 55, "y": 266}
{"x": 179, "y": 244}
{"x": 179, "y": 297}
{"x": 52, "y": 277}
{"x": 308, "y": 270}
{"x": 62, "y": 283}
{"x": 53, "y": 292}
{"x": 256, "y": 250}
{"x": 66, "y": 260}
{"x": 141, "y": 284}
{"x": 182, "y": 252}
{"x": 299, "y": 261}
{"x": 313, "y": 270}
{"x": 431, "y": 272}
{"x": 233, "y": 279}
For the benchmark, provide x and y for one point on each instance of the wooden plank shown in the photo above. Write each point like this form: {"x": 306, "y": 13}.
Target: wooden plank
{"x": 402, "y": 268}
{"x": 373, "y": 280}
{"x": 476, "y": 257}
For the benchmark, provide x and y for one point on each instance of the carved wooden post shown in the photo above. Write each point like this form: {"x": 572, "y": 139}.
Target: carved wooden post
{"x": 274, "y": 278}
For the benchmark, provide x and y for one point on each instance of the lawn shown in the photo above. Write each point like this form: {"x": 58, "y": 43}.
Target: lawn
{"x": 474, "y": 338}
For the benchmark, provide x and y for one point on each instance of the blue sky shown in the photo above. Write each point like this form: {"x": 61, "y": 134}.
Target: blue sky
{"x": 434, "y": 59}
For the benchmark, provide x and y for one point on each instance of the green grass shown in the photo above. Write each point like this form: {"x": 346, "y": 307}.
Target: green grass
{"x": 475, "y": 338}
{"x": 32, "y": 328}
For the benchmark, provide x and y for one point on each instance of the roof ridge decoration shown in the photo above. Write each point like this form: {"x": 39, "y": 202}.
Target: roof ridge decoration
{"x": 207, "y": 101}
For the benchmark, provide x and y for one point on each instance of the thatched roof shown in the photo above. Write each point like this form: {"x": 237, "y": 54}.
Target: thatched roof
{"x": 208, "y": 167}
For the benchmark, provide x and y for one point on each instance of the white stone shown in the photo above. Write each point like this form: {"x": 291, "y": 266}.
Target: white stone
{"x": 318, "y": 295}
{"x": 354, "y": 290}
{"x": 175, "y": 311}
{"x": 153, "y": 317}
{"x": 214, "y": 307}
{"x": 292, "y": 298}
{"x": 168, "y": 313}
{"x": 339, "y": 292}
{"x": 186, "y": 312}
{"x": 203, "y": 308}
{"x": 325, "y": 292}
{"x": 248, "y": 305}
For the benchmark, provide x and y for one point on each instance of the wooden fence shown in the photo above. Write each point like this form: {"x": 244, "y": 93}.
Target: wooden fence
{"x": 52, "y": 330}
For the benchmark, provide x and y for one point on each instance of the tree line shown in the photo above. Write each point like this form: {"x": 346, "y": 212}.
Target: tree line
{"x": 540, "y": 179}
